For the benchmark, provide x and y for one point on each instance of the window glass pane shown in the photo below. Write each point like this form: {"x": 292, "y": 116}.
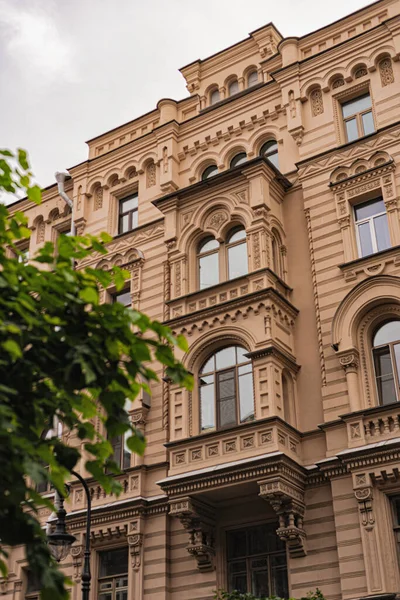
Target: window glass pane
{"x": 273, "y": 158}
{"x": 126, "y": 454}
{"x": 279, "y": 579}
{"x": 214, "y": 97}
{"x": 396, "y": 507}
{"x": 355, "y": 106}
{"x": 236, "y": 543}
{"x": 207, "y": 402}
{"x": 122, "y": 595}
{"x": 237, "y": 260}
{"x": 396, "y": 350}
{"x": 259, "y": 583}
{"x": 382, "y": 232}
{"x": 121, "y": 582}
{"x": 245, "y": 369}
{"x": 384, "y": 376}
{"x": 210, "y": 365}
{"x": 124, "y": 224}
{"x": 233, "y": 88}
{"x": 368, "y": 123}
{"x": 236, "y": 236}
{"x": 252, "y": 78}
{"x": 389, "y": 332}
{"x": 225, "y": 358}
{"x": 127, "y": 204}
{"x": 258, "y": 539}
{"x": 369, "y": 209}
{"x": 241, "y": 354}
{"x": 106, "y": 596}
{"x": 364, "y": 232}
{"x": 246, "y": 399}
{"x": 239, "y": 159}
{"x": 134, "y": 219}
{"x": 227, "y": 398}
{"x": 238, "y": 583}
{"x": 209, "y": 270}
{"x": 351, "y": 130}
{"x": 123, "y": 298}
{"x": 269, "y": 147}
{"x": 208, "y": 245}
{"x": 113, "y": 562}
{"x": 210, "y": 172}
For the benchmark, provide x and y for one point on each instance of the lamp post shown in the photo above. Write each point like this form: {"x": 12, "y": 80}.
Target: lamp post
{"x": 60, "y": 541}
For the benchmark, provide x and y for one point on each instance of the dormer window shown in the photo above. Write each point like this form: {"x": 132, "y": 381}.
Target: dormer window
{"x": 214, "y": 96}
{"x": 252, "y": 78}
{"x": 209, "y": 172}
{"x": 233, "y": 88}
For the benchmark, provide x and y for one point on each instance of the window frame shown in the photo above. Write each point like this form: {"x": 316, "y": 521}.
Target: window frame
{"x": 217, "y": 402}
{"x": 396, "y": 524}
{"x": 112, "y": 577}
{"x": 209, "y": 172}
{"x": 252, "y": 72}
{"x": 248, "y": 558}
{"x": 130, "y": 213}
{"x": 229, "y": 245}
{"x": 395, "y": 373}
{"x": 125, "y": 290}
{"x": 372, "y": 229}
{"x": 341, "y": 98}
{"x": 240, "y": 157}
{"x": 200, "y": 255}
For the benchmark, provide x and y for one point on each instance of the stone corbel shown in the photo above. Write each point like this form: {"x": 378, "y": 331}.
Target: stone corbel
{"x": 297, "y": 134}
{"x": 135, "y": 543}
{"x": 198, "y": 521}
{"x": 80, "y": 225}
{"x": 287, "y": 500}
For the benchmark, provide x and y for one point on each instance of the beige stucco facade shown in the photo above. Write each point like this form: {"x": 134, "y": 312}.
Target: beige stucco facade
{"x": 321, "y": 458}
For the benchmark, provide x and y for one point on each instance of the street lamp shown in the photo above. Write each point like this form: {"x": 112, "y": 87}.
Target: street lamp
{"x": 60, "y": 541}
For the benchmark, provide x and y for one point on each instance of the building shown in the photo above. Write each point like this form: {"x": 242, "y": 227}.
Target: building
{"x": 259, "y": 217}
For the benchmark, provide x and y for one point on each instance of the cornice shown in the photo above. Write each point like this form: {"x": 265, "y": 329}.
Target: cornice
{"x": 266, "y": 293}
{"x": 258, "y": 468}
{"x": 334, "y": 157}
{"x": 380, "y": 170}
{"x": 274, "y": 350}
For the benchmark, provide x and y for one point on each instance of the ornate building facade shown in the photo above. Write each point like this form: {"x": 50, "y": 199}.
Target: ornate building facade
{"x": 259, "y": 217}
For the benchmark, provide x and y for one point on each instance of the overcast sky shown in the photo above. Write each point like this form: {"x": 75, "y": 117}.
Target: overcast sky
{"x": 72, "y": 69}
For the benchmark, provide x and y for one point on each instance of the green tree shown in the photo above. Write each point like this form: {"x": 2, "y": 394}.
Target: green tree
{"x": 235, "y": 595}
{"x": 62, "y": 355}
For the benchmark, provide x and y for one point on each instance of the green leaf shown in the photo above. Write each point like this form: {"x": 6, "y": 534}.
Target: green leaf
{"x": 13, "y": 348}
{"x": 23, "y": 159}
{"x": 34, "y": 194}
{"x": 137, "y": 443}
{"x": 89, "y": 295}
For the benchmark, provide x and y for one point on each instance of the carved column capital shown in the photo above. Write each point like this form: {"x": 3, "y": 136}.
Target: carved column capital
{"x": 287, "y": 500}
{"x": 349, "y": 361}
{"x": 198, "y": 520}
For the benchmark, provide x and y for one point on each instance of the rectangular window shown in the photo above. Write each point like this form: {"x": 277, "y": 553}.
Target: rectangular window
{"x": 257, "y": 561}
{"x": 123, "y": 297}
{"x": 121, "y": 453}
{"x": 33, "y": 586}
{"x": 396, "y": 522}
{"x": 113, "y": 575}
{"x": 357, "y": 117}
{"x": 372, "y": 227}
{"x": 128, "y": 213}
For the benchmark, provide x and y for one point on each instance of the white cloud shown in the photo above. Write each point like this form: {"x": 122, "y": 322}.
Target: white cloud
{"x": 33, "y": 41}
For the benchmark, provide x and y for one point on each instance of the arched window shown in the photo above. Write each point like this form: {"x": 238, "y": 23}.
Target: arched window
{"x": 276, "y": 255}
{"x": 252, "y": 78}
{"x": 239, "y": 159}
{"x": 237, "y": 253}
{"x": 209, "y": 172}
{"x": 233, "y": 88}
{"x": 270, "y": 150}
{"x": 208, "y": 261}
{"x": 226, "y": 389}
{"x": 214, "y": 96}
{"x": 386, "y": 352}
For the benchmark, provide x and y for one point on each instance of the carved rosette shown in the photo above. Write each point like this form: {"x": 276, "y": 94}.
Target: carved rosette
{"x": 135, "y": 543}
{"x": 287, "y": 500}
{"x": 198, "y": 520}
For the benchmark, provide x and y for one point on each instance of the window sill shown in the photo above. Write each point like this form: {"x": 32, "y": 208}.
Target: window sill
{"x": 373, "y": 264}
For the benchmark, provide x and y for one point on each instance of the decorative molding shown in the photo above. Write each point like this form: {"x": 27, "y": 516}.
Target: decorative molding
{"x": 317, "y": 104}
{"x": 135, "y": 543}
{"x": 98, "y": 198}
{"x": 151, "y": 175}
{"x": 364, "y": 497}
{"x": 316, "y": 299}
{"x": 287, "y": 500}
{"x": 198, "y": 520}
{"x": 386, "y": 71}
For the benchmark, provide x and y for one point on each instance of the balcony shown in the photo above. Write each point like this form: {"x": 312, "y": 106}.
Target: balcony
{"x": 373, "y": 425}
{"x": 232, "y": 290}
{"x": 244, "y": 441}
